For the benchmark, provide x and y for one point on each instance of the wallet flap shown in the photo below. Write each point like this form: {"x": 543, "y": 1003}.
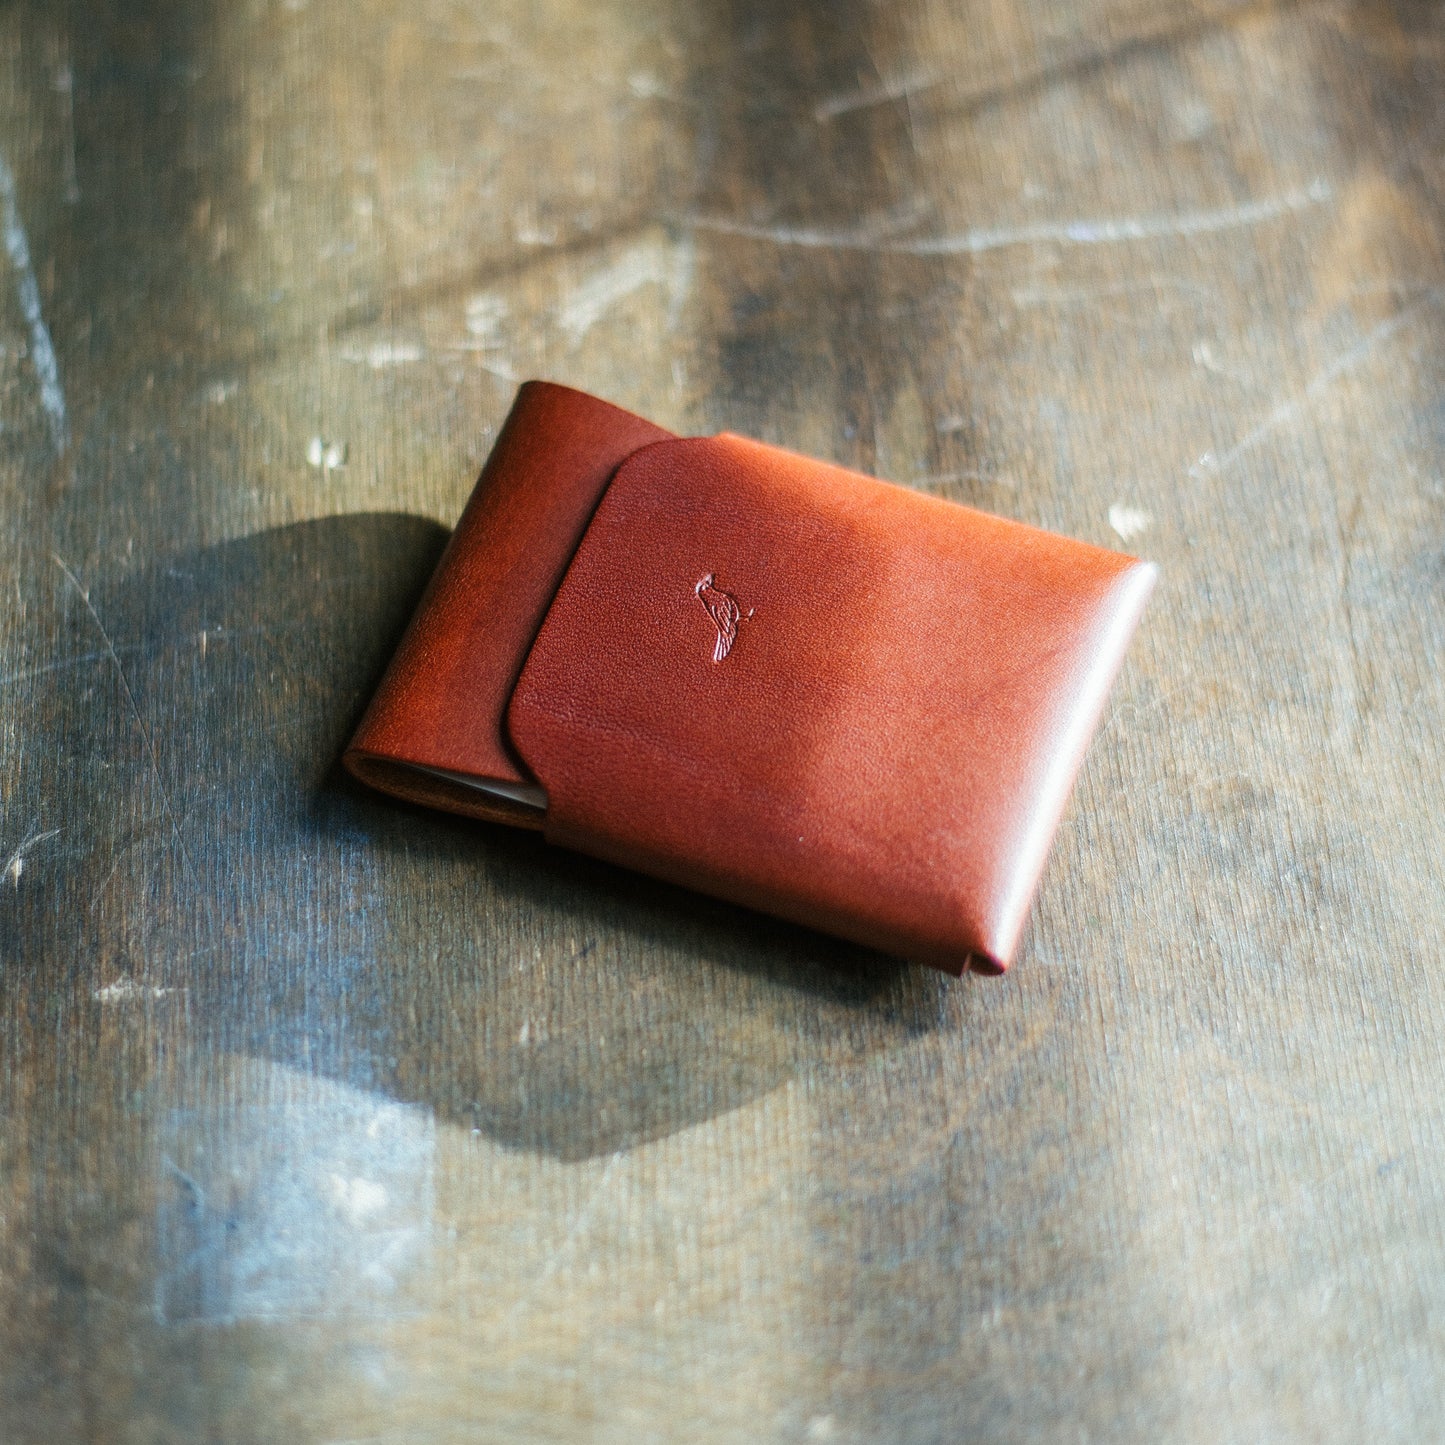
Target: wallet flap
{"x": 434, "y": 731}
{"x": 821, "y": 695}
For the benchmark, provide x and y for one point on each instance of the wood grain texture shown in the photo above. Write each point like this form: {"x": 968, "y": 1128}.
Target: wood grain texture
{"x": 324, "y": 1119}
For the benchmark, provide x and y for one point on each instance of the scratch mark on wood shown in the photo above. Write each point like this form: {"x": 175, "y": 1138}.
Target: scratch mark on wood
{"x": 194, "y": 1192}
{"x": 15, "y": 863}
{"x": 900, "y": 88}
{"x": 41, "y": 668}
{"x": 1354, "y": 691}
{"x": 1027, "y": 296}
{"x": 580, "y": 1221}
{"x": 1104, "y": 231}
{"x": 1287, "y": 411}
{"x": 42, "y": 350}
{"x": 139, "y": 722}
{"x": 110, "y": 873}
{"x": 65, "y": 85}
{"x": 870, "y": 233}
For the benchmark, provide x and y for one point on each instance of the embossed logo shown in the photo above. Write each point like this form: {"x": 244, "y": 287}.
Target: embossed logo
{"x": 723, "y": 608}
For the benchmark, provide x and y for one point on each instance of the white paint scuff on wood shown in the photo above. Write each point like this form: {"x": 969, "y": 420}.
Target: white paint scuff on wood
{"x": 652, "y": 261}
{"x": 383, "y": 354}
{"x": 1129, "y": 522}
{"x": 126, "y": 990}
{"x": 324, "y": 455}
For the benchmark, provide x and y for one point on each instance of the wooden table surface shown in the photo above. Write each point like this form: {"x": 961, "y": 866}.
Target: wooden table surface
{"x": 325, "y": 1119}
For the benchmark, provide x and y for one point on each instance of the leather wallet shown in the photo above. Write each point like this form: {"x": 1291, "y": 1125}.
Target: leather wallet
{"x": 770, "y": 679}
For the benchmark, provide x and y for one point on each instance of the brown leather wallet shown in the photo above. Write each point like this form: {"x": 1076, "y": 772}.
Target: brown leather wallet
{"x": 767, "y": 678}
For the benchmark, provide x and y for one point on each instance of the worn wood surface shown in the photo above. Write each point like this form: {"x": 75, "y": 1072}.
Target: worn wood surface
{"x": 323, "y": 1119}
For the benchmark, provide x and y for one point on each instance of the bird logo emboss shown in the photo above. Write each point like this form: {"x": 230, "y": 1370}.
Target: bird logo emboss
{"x": 723, "y": 608}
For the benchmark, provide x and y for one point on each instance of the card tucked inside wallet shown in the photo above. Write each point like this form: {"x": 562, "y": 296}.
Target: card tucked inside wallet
{"x": 766, "y": 678}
